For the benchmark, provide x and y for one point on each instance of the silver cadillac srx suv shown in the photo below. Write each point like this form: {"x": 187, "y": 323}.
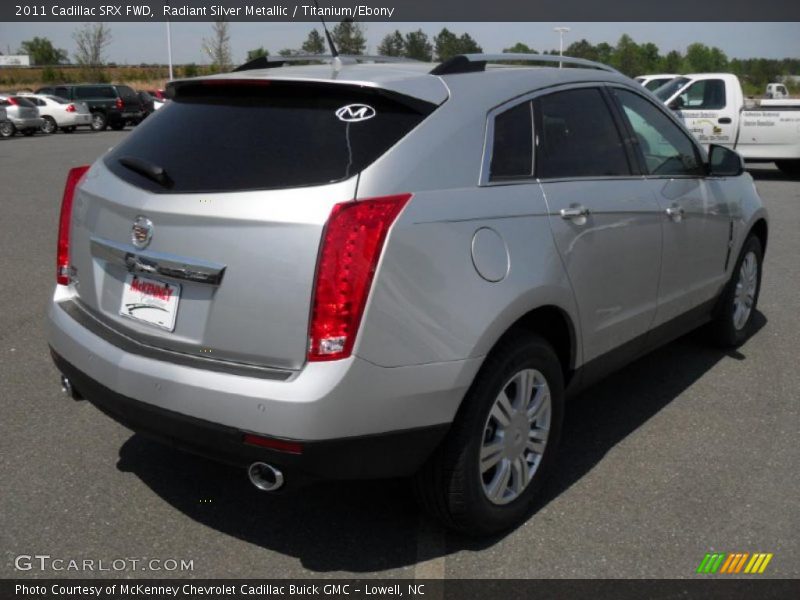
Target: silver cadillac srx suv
{"x": 364, "y": 270}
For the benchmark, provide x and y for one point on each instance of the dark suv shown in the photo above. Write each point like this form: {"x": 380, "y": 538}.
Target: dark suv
{"x": 111, "y": 105}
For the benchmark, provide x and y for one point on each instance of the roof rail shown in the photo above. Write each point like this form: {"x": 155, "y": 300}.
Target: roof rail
{"x": 269, "y": 62}
{"x": 471, "y": 63}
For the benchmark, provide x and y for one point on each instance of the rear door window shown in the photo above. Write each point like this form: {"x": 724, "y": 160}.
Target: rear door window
{"x": 512, "y": 147}
{"x": 576, "y": 136}
{"x": 250, "y": 136}
{"x": 95, "y": 91}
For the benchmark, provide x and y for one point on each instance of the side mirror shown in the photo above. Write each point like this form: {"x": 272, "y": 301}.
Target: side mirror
{"x": 724, "y": 162}
{"x": 676, "y": 104}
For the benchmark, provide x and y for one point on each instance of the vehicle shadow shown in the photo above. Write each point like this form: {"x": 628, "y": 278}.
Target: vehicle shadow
{"x": 768, "y": 172}
{"x": 372, "y": 526}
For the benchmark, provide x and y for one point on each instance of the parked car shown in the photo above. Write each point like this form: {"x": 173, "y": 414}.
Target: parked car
{"x": 159, "y": 95}
{"x": 653, "y": 82}
{"x": 59, "y": 113}
{"x": 147, "y": 103}
{"x": 21, "y": 114}
{"x": 110, "y": 105}
{"x": 776, "y": 90}
{"x": 713, "y": 107}
{"x": 381, "y": 271}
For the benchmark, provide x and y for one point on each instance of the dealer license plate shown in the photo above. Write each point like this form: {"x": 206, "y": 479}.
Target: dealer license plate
{"x": 150, "y": 301}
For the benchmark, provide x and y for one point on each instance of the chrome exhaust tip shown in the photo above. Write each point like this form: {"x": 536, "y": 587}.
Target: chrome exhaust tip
{"x": 68, "y": 389}
{"x": 265, "y": 477}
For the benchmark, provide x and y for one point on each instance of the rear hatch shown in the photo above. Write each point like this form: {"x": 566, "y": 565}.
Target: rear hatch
{"x": 130, "y": 100}
{"x": 228, "y": 189}
{"x": 25, "y": 109}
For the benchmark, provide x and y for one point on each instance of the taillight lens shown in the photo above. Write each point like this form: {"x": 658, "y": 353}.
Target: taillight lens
{"x": 119, "y": 103}
{"x": 74, "y": 177}
{"x": 70, "y": 108}
{"x": 13, "y": 101}
{"x": 351, "y": 246}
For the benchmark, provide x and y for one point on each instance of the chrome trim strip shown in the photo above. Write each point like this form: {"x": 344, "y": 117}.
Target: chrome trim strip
{"x": 161, "y": 264}
{"x": 82, "y": 316}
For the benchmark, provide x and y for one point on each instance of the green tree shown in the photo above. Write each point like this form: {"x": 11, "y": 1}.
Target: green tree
{"x": 392, "y": 44}
{"x": 42, "y": 51}
{"x": 519, "y": 48}
{"x": 349, "y": 38}
{"x": 417, "y": 46}
{"x": 650, "y": 58}
{"x": 582, "y": 49}
{"x": 314, "y": 44}
{"x": 672, "y": 62}
{"x": 627, "y": 57}
{"x": 468, "y": 45}
{"x": 447, "y": 44}
{"x": 605, "y": 52}
{"x": 257, "y": 53}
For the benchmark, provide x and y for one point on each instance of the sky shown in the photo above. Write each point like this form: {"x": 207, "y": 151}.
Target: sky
{"x": 134, "y": 43}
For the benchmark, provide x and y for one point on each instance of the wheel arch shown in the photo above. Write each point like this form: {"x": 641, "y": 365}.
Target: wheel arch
{"x": 555, "y": 325}
{"x": 761, "y": 230}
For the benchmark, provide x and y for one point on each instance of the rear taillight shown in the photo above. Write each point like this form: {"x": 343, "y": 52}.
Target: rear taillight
{"x": 119, "y": 104}
{"x": 70, "y": 108}
{"x": 74, "y": 177}
{"x": 13, "y": 101}
{"x": 351, "y": 246}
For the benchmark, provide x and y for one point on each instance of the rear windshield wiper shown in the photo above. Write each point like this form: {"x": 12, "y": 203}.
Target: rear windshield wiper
{"x": 147, "y": 169}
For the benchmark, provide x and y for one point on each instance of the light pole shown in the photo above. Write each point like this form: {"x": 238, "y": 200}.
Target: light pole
{"x": 561, "y": 31}
{"x": 169, "y": 46}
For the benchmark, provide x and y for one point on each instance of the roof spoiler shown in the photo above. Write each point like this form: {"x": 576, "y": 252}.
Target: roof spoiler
{"x": 268, "y": 62}
{"x": 472, "y": 63}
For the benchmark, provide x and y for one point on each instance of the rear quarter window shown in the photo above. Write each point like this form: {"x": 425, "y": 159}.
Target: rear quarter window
{"x": 223, "y": 137}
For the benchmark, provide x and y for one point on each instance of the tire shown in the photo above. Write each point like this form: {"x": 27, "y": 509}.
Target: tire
{"x": 49, "y": 125}
{"x": 789, "y": 167}
{"x": 99, "y": 121}
{"x": 7, "y": 129}
{"x": 476, "y": 498}
{"x": 733, "y": 320}
{"x": 70, "y": 129}
{"x": 118, "y": 126}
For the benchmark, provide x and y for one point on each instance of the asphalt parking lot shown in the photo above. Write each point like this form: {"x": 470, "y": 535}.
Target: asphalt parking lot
{"x": 690, "y": 450}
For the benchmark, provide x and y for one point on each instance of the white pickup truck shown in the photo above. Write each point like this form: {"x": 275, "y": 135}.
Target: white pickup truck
{"x": 714, "y": 108}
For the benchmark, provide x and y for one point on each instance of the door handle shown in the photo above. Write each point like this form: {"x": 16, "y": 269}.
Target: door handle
{"x": 574, "y": 212}
{"x": 675, "y": 213}
{"x": 724, "y": 120}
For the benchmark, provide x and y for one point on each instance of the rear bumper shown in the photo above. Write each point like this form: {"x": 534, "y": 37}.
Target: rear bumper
{"x": 394, "y": 454}
{"x": 29, "y": 123}
{"x": 330, "y": 403}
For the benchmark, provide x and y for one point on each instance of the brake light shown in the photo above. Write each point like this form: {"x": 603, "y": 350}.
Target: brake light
{"x": 70, "y": 108}
{"x": 119, "y": 104}
{"x": 74, "y": 177}
{"x": 13, "y": 101}
{"x": 351, "y": 246}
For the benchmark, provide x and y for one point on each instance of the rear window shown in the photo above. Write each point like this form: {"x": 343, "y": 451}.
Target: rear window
{"x": 223, "y": 137}
{"x": 24, "y": 102}
{"x": 95, "y": 91}
{"x": 125, "y": 91}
